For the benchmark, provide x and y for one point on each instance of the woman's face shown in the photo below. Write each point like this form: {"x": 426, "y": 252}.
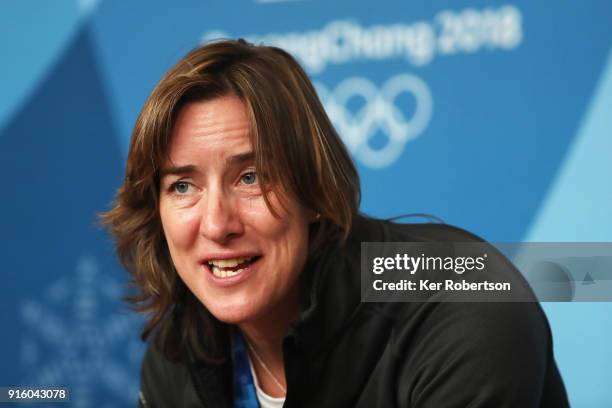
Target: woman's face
{"x": 238, "y": 259}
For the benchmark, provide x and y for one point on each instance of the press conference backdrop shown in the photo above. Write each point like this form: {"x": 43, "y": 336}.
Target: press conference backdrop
{"x": 494, "y": 116}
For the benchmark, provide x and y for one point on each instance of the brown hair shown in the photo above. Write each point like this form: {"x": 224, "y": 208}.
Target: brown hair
{"x": 297, "y": 153}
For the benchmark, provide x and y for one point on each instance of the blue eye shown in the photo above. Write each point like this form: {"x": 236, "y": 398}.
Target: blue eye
{"x": 249, "y": 178}
{"x": 181, "y": 187}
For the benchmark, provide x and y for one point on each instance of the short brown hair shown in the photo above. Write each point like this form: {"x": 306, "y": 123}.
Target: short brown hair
{"x": 297, "y": 152}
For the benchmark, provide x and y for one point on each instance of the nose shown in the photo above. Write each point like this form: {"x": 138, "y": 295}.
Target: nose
{"x": 220, "y": 221}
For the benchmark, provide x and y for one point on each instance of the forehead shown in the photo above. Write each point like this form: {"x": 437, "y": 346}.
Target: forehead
{"x": 214, "y": 127}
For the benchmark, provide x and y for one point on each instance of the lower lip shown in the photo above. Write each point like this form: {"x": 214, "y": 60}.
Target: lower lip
{"x": 231, "y": 280}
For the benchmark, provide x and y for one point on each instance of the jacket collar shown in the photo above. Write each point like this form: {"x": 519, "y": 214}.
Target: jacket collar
{"x": 333, "y": 281}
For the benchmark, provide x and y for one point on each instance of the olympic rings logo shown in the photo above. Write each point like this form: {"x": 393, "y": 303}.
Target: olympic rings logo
{"x": 380, "y": 112}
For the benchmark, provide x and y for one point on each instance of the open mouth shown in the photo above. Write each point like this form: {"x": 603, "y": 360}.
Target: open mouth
{"x": 227, "y": 268}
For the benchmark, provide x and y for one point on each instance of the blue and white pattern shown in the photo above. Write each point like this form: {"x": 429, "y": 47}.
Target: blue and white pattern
{"x": 244, "y": 386}
{"x": 68, "y": 340}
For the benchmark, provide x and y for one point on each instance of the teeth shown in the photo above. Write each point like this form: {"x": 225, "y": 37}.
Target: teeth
{"x": 228, "y": 263}
{"x": 220, "y": 273}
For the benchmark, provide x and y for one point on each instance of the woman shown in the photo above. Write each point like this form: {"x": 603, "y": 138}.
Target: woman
{"x": 238, "y": 220}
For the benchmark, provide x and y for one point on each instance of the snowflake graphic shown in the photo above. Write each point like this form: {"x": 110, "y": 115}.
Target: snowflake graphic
{"x": 77, "y": 335}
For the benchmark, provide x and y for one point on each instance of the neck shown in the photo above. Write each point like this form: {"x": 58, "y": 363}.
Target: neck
{"x": 265, "y": 335}
{"x": 266, "y": 331}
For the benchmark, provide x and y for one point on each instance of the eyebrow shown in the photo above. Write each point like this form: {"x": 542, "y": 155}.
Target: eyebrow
{"x": 177, "y": 170}
{"x": 190, "y": 168}
{"x": 240, "y": 158}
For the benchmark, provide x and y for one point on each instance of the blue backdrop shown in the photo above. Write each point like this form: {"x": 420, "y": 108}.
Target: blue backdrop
{"x": 495, "y": 117}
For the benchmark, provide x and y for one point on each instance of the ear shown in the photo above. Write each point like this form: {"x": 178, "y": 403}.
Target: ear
{"x": 312, "y": 216}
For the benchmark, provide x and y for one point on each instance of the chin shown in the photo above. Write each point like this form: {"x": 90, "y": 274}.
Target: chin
{"x": 233, "y": 313}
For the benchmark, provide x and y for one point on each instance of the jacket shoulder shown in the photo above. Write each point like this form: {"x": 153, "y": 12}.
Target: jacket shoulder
{"x": 371, "y": 229}
{"x": 432, "y": 232}
{"x": 477, "y": 354}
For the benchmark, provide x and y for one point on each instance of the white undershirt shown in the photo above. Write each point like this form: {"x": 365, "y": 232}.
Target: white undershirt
{"x": 265, "y": 401}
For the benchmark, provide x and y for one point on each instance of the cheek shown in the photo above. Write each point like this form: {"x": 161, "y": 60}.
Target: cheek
{"x": 253, "y": 208}
{"x": 180, "y": 226}
{"x": 256, "y": 214}
{"x": 285, "y": 236}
